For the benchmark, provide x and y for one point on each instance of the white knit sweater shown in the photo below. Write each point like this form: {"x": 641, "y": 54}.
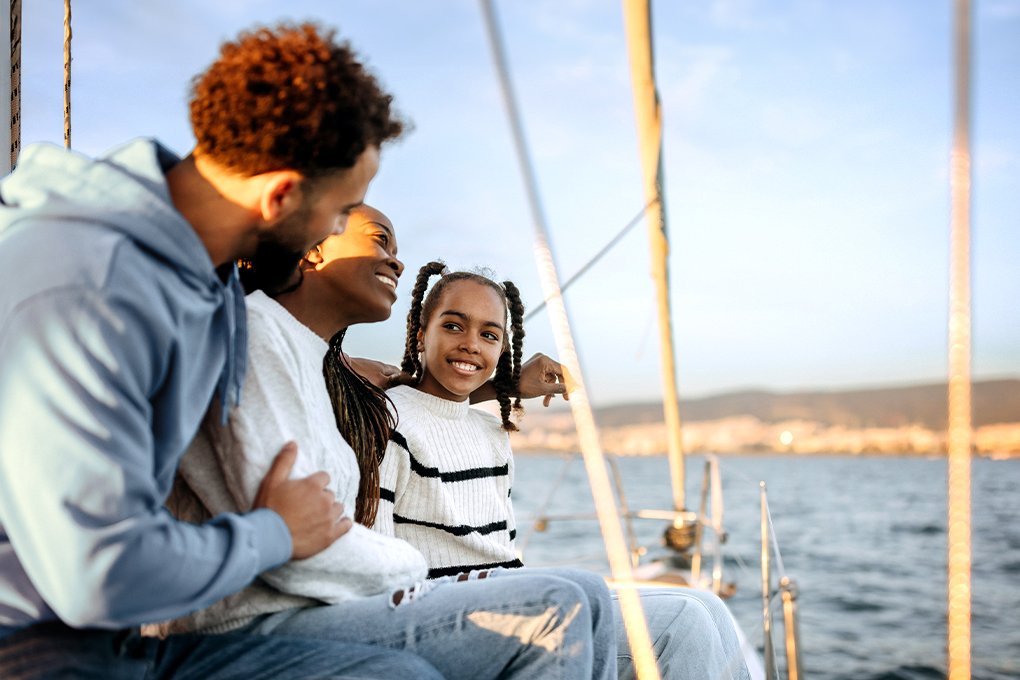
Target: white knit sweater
{"x": 446, "y": 481}
{"x": 285, "y": 398}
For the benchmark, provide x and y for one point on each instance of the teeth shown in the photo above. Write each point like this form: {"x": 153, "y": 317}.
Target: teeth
{"x": 463, "y": 366}
{"x": 387, "y": 280}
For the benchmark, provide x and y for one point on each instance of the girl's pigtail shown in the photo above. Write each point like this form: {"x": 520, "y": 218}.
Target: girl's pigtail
{"x": 507, "y": 380}
{"x": 410, "y": 365}
{"x": 363, "y": 418}
{"x": 516, "y": 307}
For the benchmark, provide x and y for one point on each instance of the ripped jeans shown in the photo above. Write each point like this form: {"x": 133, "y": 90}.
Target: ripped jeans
{"x": 521, "y": 624}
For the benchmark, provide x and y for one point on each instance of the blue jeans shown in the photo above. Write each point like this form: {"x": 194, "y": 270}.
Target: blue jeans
{"x": 692, "y": 633}
{"x": 521, "y": 624}
{"x": 52, "y": 651}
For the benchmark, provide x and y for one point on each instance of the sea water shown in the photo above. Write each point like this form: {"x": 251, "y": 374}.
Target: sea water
{"x": 863, "y": 537}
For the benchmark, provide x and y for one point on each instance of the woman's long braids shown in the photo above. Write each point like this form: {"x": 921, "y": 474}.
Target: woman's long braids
{"x": 507, "y": 379}
{"x": 363, "y": 419}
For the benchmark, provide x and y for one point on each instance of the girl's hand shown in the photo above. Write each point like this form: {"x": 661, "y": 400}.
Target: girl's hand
{"x": 543, "y": 377}
{"x": 375, "y": 372}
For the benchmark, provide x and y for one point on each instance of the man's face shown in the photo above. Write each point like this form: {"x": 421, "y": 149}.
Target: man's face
{"x": 282, "y": 247}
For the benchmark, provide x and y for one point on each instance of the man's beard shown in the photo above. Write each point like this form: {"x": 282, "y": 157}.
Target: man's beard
{"x": 273, "y": 268}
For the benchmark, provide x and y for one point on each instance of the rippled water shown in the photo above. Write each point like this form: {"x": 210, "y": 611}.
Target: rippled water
{"x": 864, "y": 538}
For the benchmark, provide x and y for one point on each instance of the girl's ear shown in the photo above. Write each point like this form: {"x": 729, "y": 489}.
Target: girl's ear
{"x": 421, "y": 339}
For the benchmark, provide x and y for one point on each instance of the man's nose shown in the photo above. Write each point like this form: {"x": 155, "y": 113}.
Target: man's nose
{"x": 340, "y": 226}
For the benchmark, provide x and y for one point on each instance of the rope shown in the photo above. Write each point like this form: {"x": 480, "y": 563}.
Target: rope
{"x": 598, "y": 256}
{"x": 609, "y": 520}
{"x": 959, "y": 436}
{"x": 67, "y": 74}
{"x": 15, "y": 82}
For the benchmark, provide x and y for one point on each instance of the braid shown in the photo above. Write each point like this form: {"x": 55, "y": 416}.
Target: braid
{"x": 410, "y": 365}
{"x": 363, "y": 419}
{"x": 507, "y": 380}
{"x": 516, "y": 308}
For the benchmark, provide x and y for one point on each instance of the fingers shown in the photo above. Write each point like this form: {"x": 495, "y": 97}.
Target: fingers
{"x": 342, "y": 527}
{"x": 279, "y": 471}
{"x": 546, "y": 400}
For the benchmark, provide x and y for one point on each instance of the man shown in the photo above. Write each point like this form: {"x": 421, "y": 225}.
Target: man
{"x": 121, "y": 315}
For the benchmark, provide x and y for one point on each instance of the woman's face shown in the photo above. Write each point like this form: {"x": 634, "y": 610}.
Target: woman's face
{"x": 359, "y": 268}
{"x": 463, "y": 340}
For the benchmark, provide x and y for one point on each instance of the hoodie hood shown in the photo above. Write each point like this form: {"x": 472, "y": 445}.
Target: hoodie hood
{"x": 126, "y": 190}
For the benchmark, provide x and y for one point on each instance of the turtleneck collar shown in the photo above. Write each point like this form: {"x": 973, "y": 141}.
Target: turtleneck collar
{"x": 443, "y": 408}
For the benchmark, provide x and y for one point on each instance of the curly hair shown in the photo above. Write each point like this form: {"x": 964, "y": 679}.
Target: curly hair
{"x": 289, "y": 98}
{"x": 507, "y": 379}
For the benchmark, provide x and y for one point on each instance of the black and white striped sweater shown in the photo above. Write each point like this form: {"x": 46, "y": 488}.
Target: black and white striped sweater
{"x": 445, "y": 484}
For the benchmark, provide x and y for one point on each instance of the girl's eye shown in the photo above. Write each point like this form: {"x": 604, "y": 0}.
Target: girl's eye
{"x": 451, "y": 327}
{"x": 490, "y": 336}
{"x": 383, "y": 238}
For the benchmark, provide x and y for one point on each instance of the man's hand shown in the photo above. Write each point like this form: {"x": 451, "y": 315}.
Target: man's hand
{"x": 543, "y": 377}
{"x": 306, "y": 505}
{"x": 375, "y": 372}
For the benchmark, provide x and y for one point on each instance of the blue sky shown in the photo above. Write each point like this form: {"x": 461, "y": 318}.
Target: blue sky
{"x": 806, "y": 147}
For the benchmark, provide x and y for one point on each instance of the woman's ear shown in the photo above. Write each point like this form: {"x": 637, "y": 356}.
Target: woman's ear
{"x": 314, "y": 256}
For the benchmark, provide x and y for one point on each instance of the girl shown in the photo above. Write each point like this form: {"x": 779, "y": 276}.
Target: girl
{"x": 476, "y": 629}
{"x": 448, "y": 471}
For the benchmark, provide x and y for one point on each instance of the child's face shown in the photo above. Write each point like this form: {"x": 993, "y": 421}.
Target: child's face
{"x": 463, "y": 340}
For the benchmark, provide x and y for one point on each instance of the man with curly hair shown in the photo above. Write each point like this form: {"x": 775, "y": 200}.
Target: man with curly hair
{"x": 121, "y": 315}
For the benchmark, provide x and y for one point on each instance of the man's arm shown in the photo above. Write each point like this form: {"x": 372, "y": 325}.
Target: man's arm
{"x": 79, "y": 500}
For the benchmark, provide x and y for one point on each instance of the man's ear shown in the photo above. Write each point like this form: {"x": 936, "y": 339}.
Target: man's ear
{"x": 282, "y": 194}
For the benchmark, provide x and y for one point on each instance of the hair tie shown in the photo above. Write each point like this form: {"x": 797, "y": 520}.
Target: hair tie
{"x": 445, "y": 271}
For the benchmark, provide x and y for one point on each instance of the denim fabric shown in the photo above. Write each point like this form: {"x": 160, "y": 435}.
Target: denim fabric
{"x": 518, "y": 624}
{"x": 692, "y": 636}
{"x": 52, "y": 651}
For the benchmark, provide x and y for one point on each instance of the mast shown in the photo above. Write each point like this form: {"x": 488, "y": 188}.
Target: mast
{"x": 959, "y": 437}
{"x": 638, "y": 23}
{"x": 598, "y": 476}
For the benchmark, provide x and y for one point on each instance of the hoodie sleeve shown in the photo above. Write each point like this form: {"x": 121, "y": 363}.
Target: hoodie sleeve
{"x": 80, "y": 499}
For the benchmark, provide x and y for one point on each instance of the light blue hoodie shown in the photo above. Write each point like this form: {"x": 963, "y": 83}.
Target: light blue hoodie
{"x": 115, "y": 333}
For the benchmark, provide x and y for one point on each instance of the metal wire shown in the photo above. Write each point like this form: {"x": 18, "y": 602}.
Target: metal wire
{"x": 598, "y": 256}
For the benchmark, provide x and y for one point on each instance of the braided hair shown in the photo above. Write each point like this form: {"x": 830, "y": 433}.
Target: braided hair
{"x": 507, "y": 378}
{"x": 363, "y": 419}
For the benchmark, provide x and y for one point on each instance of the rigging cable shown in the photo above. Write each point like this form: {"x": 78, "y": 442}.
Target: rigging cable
{"x": 598, "y": 256}
{"x": 598, "y": 476}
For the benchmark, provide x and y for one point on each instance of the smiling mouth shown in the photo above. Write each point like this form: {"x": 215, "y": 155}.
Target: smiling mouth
{"x": 387, "y": 280}
{"x": 464, "y": 366}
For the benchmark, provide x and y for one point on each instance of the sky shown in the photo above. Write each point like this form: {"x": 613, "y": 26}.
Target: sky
{"x": 806, "y": 153}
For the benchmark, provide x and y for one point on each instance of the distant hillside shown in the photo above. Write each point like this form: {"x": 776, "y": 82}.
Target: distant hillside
{"x": 994, "y": 401}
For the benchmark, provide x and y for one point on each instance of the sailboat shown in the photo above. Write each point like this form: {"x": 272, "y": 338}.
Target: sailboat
{"x": 686, "y": 527}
